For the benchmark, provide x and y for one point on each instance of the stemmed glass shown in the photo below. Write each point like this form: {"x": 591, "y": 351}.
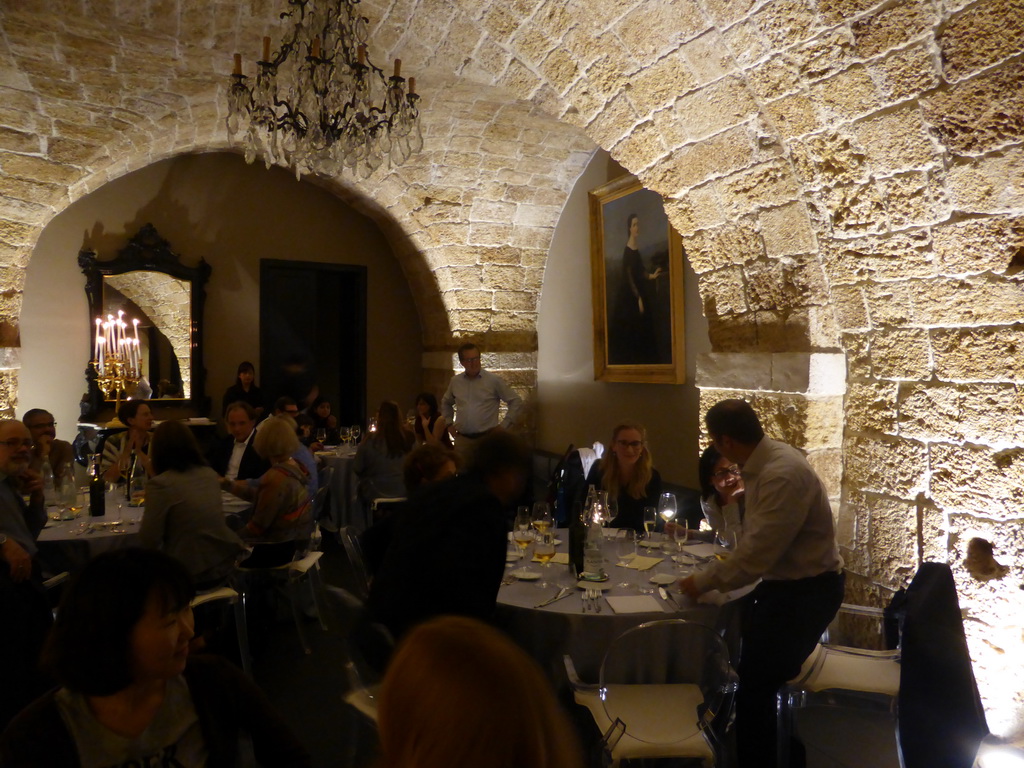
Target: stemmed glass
{"x": 522, "y": 534}
{"x": 321, "y": 435}
{"x": 667, "y": 507}
{"x": 356, "y": 431}
{"x": 542, "y": 517}
{"x": 544, "y": 550}
{"x": 650, "y": 521}
{"x": 345, "y": 433}
{"x": 626, "y": 544}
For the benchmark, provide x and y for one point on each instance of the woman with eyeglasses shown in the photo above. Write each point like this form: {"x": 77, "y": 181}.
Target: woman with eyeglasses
{"x": 721, "y": 496}
{"x": 627, "y": 472}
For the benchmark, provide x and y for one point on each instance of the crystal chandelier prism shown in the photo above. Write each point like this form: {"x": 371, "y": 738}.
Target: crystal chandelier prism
{"x": 319, "y": 104}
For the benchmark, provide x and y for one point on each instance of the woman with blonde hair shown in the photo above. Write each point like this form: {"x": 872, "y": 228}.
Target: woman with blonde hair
{"x": 281, "y": 520}
{"x": 627, "y": 472}
{"x": 459, "y": 694}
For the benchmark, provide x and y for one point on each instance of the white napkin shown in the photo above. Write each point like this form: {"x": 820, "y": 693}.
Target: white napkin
{"x": 635, "y": 604}
{"x": 561, "y": 558}
{"x": 642, "y": 562}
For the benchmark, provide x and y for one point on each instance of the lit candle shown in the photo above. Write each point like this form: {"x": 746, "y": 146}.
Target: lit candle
{"x": 238, "y": 64}
{"x": 266, "y": 49}
{"x": 135, "y": 322}
{"x": 101, "y": 343}
{"x": 96, "y": 350}
{"x": 398, "y": 67}
{"x": 138, "y": 358}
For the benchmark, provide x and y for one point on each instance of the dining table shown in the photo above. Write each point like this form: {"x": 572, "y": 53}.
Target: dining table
{"x": 341, "y": 458}
{"x": 67, "y": 544}
{"x": 584, "y": 628}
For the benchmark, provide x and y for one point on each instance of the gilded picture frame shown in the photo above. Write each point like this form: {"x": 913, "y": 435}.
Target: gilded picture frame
{"x": 637, "y": 278}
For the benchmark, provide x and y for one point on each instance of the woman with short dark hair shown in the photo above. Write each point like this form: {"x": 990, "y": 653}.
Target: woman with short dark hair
{"x": 120, "y": 451}
{"x": 183, "y": 514}
{"x": 429, "y": 425}
{"x": 130, "y": 694}
{"x": 244, "y": 390}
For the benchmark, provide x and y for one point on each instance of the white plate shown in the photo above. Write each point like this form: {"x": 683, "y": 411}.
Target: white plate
{"x": 511, "y": 557}
{"x": 650, "y": 544}
{"x": 524, "y": 574}
{"x": 663, "y": 578}
{"x": 584, "y": 584}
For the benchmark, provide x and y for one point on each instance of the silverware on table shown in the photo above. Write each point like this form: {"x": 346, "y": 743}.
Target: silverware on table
{"x": 563, "y": 592}
{"x": 668, "y": 597}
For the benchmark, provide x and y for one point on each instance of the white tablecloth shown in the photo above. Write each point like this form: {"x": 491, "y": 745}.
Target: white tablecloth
{"x": 562, "y": 628}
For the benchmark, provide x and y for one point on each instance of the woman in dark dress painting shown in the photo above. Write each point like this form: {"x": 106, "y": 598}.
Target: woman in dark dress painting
{"x": 631, "y": 331}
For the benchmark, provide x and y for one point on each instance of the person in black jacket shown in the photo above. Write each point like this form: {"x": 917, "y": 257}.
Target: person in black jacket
{"x": 447, "y": 554}
{"x": 234, "y": 457}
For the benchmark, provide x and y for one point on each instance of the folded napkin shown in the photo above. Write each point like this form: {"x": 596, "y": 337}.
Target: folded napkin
{"x": 642, "y": 562}
{"x": 635, "y": 604}
{"x": 561, "y": 558}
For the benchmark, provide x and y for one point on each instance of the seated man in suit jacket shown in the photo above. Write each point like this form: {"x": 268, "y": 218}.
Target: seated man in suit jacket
{"x": 234, "y": 457}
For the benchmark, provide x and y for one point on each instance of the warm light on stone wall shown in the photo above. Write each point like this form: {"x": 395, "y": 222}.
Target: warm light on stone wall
{"x": 846, "y": 176}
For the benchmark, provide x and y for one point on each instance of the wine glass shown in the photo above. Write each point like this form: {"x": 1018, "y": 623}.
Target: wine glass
{"x": 357, "y": 431}
{"x": 625, "y": 543}
{"x": 667, "y": 507}
{"x": 321, "y": 435}
{"x": 345, "y": 433}
{"x": 544, "y": 550}
{"x": 650, "y": 520}
{"x": 522, "y": 532}
{"x": 542, "y": 517}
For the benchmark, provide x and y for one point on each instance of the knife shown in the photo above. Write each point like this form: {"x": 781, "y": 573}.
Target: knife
{"x": 665, "y": 595}
{"x": 563, "y": 592}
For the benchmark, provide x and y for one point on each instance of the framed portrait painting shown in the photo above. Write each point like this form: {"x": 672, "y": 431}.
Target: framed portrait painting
{"x": 637, "y": 274}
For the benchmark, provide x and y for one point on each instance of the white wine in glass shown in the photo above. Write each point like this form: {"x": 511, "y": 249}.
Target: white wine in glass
{"x": 667, "y": 507}
{"x": 543, "y": 551}
{"x": 650, "y": 520}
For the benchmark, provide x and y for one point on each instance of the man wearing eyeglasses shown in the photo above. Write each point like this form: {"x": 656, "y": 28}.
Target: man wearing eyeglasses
{"x": 788, "y": 542}
{"x": 470, "y": 406}
{"x": 23, "y": 604}
{"x": 45, "y": 445}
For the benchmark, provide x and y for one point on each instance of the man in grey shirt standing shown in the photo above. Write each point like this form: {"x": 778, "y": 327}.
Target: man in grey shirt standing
{"x": 470, "y": 406}
{"x": 788, "y": 542}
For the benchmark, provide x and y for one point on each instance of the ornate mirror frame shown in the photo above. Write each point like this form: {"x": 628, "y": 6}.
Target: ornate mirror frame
{"x": 147, "y": 251}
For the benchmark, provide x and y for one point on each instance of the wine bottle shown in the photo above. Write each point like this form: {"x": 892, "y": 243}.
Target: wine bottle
{"x": 97, "y": 488}
{"x": 577, "y": 539}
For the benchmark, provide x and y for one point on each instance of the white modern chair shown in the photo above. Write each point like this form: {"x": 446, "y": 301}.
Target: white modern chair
{"x": 844, "y": 674}
{"x": 304, "y": 568}
{"x": 241, "y": 630}
{"x": 666, "y": 690}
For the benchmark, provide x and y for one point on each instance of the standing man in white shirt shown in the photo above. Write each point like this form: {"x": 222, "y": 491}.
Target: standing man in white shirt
{"x": 788, "y": 542}
{"x": 470, "y": 406}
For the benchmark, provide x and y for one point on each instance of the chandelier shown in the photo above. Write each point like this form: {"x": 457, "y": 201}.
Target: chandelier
{"x": 320, "y": 103}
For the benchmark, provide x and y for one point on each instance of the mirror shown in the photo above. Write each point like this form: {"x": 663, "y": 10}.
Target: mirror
{"x": 147, "y": 282}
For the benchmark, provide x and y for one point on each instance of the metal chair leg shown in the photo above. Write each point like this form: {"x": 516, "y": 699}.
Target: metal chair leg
{"x": 242, "y": 630}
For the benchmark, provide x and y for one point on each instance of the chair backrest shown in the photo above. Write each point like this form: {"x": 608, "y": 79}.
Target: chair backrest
{"x": 323, "y": 493}
{"x": 357, "y": 575}
{"x": 367, "y": 645}
{"x": 941, "y": 720}
{"x": 667, "y": 680}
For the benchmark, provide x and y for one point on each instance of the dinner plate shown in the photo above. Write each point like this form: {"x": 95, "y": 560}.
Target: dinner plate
{"x": 650, "y": 544}
{"x": 584, "y": 584}
{"x": 524, "y": 574}
{"x": 663, "y": 578}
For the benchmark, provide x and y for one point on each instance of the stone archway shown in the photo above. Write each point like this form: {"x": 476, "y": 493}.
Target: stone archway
{"x": 846, "y": 174}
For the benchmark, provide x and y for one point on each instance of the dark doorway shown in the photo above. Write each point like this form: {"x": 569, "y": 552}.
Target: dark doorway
{"x": 313, "y": 333}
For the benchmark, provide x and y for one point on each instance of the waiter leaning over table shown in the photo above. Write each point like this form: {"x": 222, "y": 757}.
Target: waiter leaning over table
{"x": 788, "y": 542}
{"x": 470, "y": 406}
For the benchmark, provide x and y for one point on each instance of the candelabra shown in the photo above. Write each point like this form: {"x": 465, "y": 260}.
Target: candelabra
{"x": 116, "y": 359}
{"x": 319, "y": 103}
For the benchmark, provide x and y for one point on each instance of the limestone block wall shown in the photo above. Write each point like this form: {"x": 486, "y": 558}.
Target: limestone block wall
{"x": 846, "y": 175}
